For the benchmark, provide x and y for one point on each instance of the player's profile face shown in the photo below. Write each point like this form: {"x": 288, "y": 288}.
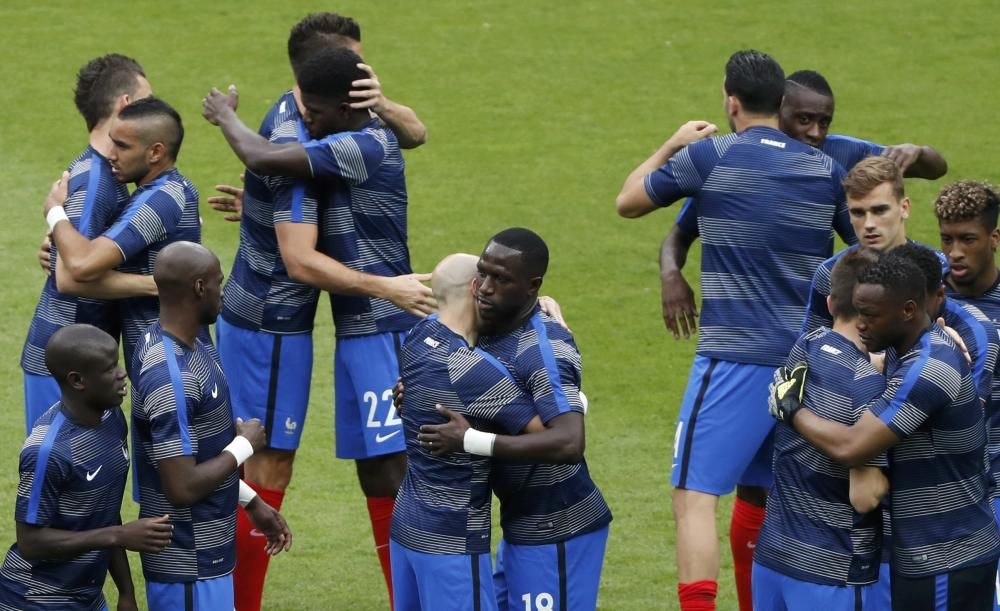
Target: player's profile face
{"x": 969, "y": 247}
{"x": 806, "y": 115}
{"x": 878, "y": 218}
{"x": 128, "y": 151}
{"x": 106, "y": 379}
{"x": 877, "y": 317}
{"x": 320, "y": 115}
{"x": 212, "y": 297}
{"x": 501, "y": 292}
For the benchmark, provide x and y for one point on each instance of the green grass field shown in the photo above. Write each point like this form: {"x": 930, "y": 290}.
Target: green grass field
{"x": 536, "y": 112}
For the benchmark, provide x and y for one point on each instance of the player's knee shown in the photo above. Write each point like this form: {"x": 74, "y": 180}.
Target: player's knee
{"x": 754, "y": 495}
{"x": 691, "y": 504}
{"x": 270, "y": 468}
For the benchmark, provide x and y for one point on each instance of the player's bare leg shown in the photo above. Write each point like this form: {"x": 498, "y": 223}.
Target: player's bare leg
{"x": 697, "y": 548}
{"x": 748, "y": 516}
{"x": 380, "y": 478}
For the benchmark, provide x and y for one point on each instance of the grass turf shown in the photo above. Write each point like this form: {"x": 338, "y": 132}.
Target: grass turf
{"x": 536, "y": 112}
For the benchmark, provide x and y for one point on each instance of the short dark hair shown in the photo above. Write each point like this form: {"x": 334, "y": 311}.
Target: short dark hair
{"x": 100, "y": 82}
{"x": 844, "y": 277}
{"x": 898, "y": 276}
{"x": 811, "y": 80}
{"x": 320, "y": 31}
{"x": 534, "y": 252}
{"x": 329, "y": 73}
{"x": 155, "y": 108}
{"x": 968, "y": 200}
{"x": 757, "y": 80}
{"x": 925, "y": 259}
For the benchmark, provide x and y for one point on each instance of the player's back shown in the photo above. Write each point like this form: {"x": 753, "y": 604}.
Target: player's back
{"x": 180, "y": 407}
{"x": 443, "y": 505}
{"x": 72, "y": 478}
{"x": 94, "y": 200}
{"x": 981, "y": 340}
{"x": 260, "y": 295}
{"x": 811, "y": 532}
{"x": 848, "y": 151}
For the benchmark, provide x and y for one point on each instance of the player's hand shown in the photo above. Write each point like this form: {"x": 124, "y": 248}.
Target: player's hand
{"x": 955, "y": 337}
{"x": 786, "y": 392}
{"x": 57, "y": 194}
{"x": 692, "y": 131}
{"x": 877, "y": 360}
{"x": 150, "y": 535}
{"x": 551, "y": 309}
{"x": 368, "y": 91}
{"x": 904, "y": 155}
{"x": 254, "y": 431}
{"x": 45, "y": 254}
{"x": 231, "y": 203}
{"x": 216, "y": 104}
{"x": 410, "y": 295}
{"x": 397, "y": 394}
{"x": 272, "y": 524}
{"x": 680, "y": 313}
{"x": 126, "y": 602}
{"x": 441, "y": 439}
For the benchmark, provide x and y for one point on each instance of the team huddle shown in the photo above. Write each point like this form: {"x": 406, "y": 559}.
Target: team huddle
{"x": 445, "y": 395}
{"x": 850, "y": 399}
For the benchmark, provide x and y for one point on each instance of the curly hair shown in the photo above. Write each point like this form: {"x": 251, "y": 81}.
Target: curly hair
{"x": 968, "y": 200}
{"x": 924, "y": 258}
{"x": 899, "y": 276}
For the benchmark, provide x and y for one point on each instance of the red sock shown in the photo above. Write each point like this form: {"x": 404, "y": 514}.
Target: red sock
{"x": 743, "y": 531}
{"x": 251, "y": 559}
{"x": 380, "y": 512}
{"x": 697, "y": 595}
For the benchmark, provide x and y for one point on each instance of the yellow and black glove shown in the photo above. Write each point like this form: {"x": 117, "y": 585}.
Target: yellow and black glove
{"x": 786, "y": 393}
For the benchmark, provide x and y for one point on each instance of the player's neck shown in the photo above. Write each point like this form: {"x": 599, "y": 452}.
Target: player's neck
{"x": 744, "y": 122}
{"x": 849, "y": 330}
{"x": 79, "y": 412}
{"x": 100, "y": 139}
{"x": 181, "y": 322}
{"x": 461, "y": 319}
{"x": 978, "y": 286}
{"x": 913, "y": 334}
{"x": 516, "y": 321}
{"x": 155, "y": 172}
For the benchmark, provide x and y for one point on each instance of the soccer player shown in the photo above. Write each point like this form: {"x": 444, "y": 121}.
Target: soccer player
{"x": 73, "y": 468}
{"x": 441, "y": 520}
{"x": 187, "y": 450}
{"x": 821, "y": 537}
{"x": 755, "y": 278}
{"x": 945, "y": 544}
{"x": 104, "y": 86}
{"x": 147, "y": 136}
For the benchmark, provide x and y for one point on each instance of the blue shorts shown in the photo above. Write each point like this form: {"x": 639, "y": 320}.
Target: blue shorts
{"x": 268, "y": 376}
{"x": 364, "y": 371}
{"x": 40, "y": 393}
{"x": 202, "y": 595}
{"x": 440, "y": 581}
{"x": 723, "y": 434}
{"x": 773, "y": 591}
{"x": 880, "y": 596}
{"x": 995, "y": 503}
{"x": 557, "y": 576}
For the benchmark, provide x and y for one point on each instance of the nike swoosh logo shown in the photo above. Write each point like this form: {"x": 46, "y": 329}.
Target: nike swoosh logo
{"x": 91, "y": 476}
{"x": 256, "y": 533}
{"x": 751, "y": 545}
{"x": 379, "y": 438}
{"x": 215, "y": 391}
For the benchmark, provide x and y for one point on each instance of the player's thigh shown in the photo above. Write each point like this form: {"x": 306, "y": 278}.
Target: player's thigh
{"x": 767, "y": 588}
{"x": 365, "y": 370}
{"x": 40, "y": 393}
{"x": 555, "y": 577}
{"x": 201, "y": 595}
{"x": 722, "y": 425}
{"x": 500, "y": 579}
{"x": 405, "y": 594}
{"x": 880, "y": 595}
{"x": 774, "y": 591}
{"x": 458, "y": 582}
{"x": 969, "y": 589}
{"x": 269, "y": 378}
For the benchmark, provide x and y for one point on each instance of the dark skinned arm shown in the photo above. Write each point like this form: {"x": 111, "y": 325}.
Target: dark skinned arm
{"x": 918, "y": 161}
{"x": 680, "y": 313}
{"x": 121, "y": 574}
{"x": 44, "y": 543}
{"x": 186, "y": 482}
{"x": 853, "y": 445}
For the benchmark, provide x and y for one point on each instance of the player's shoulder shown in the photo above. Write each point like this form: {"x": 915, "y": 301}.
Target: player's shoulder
{"x": 149, "y": 351}
{"x": 834, "y": 141}
{"x": 430, "y": 334}
{"x": 284, "y": 109}
{"x": 939, "y": 356}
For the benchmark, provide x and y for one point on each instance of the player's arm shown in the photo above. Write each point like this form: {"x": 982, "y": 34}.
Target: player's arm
{"x": 109, "y": 285}
{"x": 266, "y": 519}
{"x": 121, "y": 574}
{"x": 56, "y": 544}
{"x": 634, "y": 201}
{"x": 85, "y": 260}
{"x": 867, "y": 487}
{"x": 918, "y": 161}
{"x": 853, "y": 445}
{"x": 680, "y": 313}
{"x": 402, "y": 120}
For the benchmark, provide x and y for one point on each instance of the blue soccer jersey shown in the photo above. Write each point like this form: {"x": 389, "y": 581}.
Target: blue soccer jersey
{"x": 817, "y": 312}
{"x": 180, "y": 407}
{"x": 543, "y": 503}
{"x": 94, "y": 200}
{"x": 766, "y": 205}
{"x": 941, "y": 517}
{"x": 443, "y": 506}
{"x": 260, "y": 295}
{"x": 981, "y": 340}
{"x": 72, "y": 478}
{"x": 160, "y": 212}
{"x": 848, "y": 151}
{"x": 363, "y": 221}
{"x": 811, "y": 532}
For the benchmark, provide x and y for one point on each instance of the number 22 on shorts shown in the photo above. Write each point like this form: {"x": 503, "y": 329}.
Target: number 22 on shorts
{"x": 372, "y": 399}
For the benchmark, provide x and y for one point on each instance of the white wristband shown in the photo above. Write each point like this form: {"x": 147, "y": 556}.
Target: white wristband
{"x": 240, "y": 448}
{"x": 478, "y": 442}
{"x": 586, "y": 403}
{"x": 247, "y": 494}
{"x": 56, "y": 214}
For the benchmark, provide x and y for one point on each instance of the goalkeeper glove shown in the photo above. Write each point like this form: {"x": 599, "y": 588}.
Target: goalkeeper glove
{"x": 787, "y": 389}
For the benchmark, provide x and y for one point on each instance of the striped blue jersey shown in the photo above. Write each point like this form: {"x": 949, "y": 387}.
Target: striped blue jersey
{"x": 260, "y": 295}
{"x": 989, "y": 304}
{"x": 542, "y": 503}
{"x": 443, "y": 506}
{"x": 981, "y": 340}
{"x": 941, "y": 516}
{"x": 94, "y": 200}
{"x": 817, "y": 312}
{"x": 72, "y": 478}
{"x": 180, "y": 407}
{"x": 811, "y": 532}
{"x": 848, "y": 151}
{"x": 766, "y": 207}
{"x": 363, "y": 221}
{"x": 160, "y": 212}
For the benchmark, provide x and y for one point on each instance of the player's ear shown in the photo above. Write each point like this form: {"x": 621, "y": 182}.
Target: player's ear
{"x": 994, "y": 238}
{"x": 122, "y": 101}
{"x": 829, "y": 304}
{"x": 536, "y": 284}
{"x": 75, "y": 380}
{"x": 909, "y": 309}
{"x": 199, "y": 287}
{"x": 904, "y": 206}
{"x": 157, "y": 152}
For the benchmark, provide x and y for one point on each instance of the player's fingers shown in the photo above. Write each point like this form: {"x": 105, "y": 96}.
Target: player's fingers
{"x": 670, "y": 321}
{"x": 692, "y": 320}
{"x": 421, "y": 277}
{"x": 368, "y": 69}
{"x": 233, "y": 218}
{"x": 231, "y": 190}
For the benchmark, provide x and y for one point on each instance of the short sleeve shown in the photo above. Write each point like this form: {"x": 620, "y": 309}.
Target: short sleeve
{"x": 167, "y": 408}
{"x": 147, "y": 220}
{"x": 682, "y": 175}
{"x": 914, "y": 395}
{"x": 351, "y": 156}
{"x": 552, "y": 371}
{"x": 687, "y": 218}
{"x": 40, "y": 486}
{"x": 799, "y": 351}
{"x": 294, "y": 201}
{"x": 489, "y": 392}
{"x": 817, "y": 313}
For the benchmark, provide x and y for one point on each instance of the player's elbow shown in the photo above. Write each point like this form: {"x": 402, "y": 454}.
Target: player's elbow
{"x": 180, "y": 497}
{"x": 297, "y": 267}
{"x": 81, "y": 271}
{"x": 848, "y": 454}
{"x": 570, "y": 451}
{"x": 625, "y": 206}
{"x": 31, "y": 549}
{"x": 863, "y": 502}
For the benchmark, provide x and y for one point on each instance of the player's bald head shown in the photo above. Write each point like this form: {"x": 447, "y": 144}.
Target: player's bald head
{"x": 452, "y": 277}
{"x": 179, "y": 266}
{"x": 156, "y": 121}
{"x": 78, "y": 348}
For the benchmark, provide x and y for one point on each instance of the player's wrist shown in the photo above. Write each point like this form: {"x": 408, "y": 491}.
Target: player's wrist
{"x": 478, "y": 442}
{"x": 240, "y": 448}
{"x": 247, "y": 494}
{"x": 54, "y": 216}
